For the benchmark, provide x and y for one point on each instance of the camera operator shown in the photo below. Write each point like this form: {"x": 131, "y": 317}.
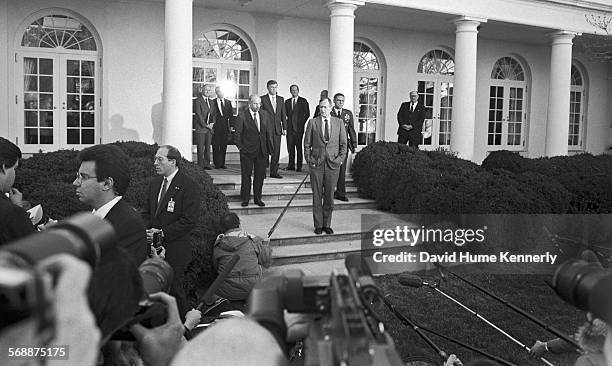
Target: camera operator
{"x": 14, "y": 220}
{"x": 74, "y": 322}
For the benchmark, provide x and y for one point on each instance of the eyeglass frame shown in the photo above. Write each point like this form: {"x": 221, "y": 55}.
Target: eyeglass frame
{"x": 80, "y": 177}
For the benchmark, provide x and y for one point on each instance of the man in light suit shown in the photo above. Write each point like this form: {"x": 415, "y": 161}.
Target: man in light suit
{"x": 203, "y": 125}
{"x": 275, "y": 106}
{"x": 298, "y": 112}
{"x": 254, "y": 140}
{"x": 410, "y": 118}
{"x": 172, "y": 211}
{"x": 346, "y": 117}
{"x": 223, "y": 113}
{"x": 324, "y": 151}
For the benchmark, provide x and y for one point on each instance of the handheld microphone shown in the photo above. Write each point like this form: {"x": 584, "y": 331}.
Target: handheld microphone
{"x": 411, "y": 280}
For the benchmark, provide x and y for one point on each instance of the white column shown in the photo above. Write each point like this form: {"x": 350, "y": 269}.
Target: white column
{"x": 341, "y": 38}
{"x": 464, "y": 91}
{"x": 177, "y": 104}
{"x": 557, "y": 123}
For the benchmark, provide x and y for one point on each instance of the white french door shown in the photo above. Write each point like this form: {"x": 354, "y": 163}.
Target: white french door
{"x": 234, "y": 79}
{"x": 507, "y": 116}
{"x": 436, "y": 94}
{"x": 57, "y": 101}
{"x": 367, "y": 96}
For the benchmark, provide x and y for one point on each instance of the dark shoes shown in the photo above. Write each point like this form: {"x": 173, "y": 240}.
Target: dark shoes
{"x": 207, "y": 168}
{"x": 260, "y": 203}
{"x": 318, "y": 231}
{"x": 328, "y": 230}
{"x": 298, "y": 170}
{"x": 244, "y": 203}
{"x": 340, "y": 197}
{"x": 223, "y": 167}
{"x": 276, "y": 176}
{"x": 290, "y": 168}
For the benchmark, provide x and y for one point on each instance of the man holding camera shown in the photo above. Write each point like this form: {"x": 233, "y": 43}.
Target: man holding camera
{"x": 14, "y": 220}
{"x": 171, "y": 214}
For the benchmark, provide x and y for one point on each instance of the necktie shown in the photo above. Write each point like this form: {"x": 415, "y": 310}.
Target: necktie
{"x": 208, "y": 114}
{"x": 273, "y": 102}
{"x": 220, "y": 106}
{"x": 326, "y": 131}
{"x": 411, "y": 107}
{"x": 256, "y": 120}
{"x": 163, "y": 191}
{"x": 293, "y": 105}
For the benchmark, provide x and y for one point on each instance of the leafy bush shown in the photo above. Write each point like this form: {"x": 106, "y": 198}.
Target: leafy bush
{"x": 507, "y": 160}
{"x": 405, "y": 180}
{"x": 46, "y": 178}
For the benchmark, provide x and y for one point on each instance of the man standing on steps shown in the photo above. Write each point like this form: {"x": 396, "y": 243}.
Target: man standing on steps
{"x": 275, "y": 106}
{"x": 203, "y": 125}
{"x": 346, "y": 117}
{"x": 254, "y": 141}
{"x": 298, "y": 112}
{"x": 410, "y": 118}
{"x": 223, "y": 113}
{"x": 324, "y": 151}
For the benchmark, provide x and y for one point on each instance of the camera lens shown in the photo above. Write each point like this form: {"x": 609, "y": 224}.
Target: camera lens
{"x": 156, "y": 275}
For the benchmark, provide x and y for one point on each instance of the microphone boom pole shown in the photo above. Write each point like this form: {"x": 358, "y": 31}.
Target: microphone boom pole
{"x": 280, "y": 216}
{"x": 534, "y": 319}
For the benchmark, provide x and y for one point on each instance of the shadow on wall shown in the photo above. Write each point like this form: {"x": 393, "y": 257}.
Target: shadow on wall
{"x": 119, "y": 133}
{"x": 156, "y": 122}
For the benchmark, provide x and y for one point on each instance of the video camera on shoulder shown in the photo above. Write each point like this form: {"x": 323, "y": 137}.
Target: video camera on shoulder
{"x": 347, "y": 332}
{"x": 25, "y": 291}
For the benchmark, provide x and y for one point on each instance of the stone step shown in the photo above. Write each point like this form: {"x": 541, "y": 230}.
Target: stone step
{"x": 301, "y": 205}
{"x": 319, "y": 268}
{"x": 271, "y": 194}
{"x": 297, "y": 227}
{"x": 314, "y": 252}
{"x": 288, "y": 182}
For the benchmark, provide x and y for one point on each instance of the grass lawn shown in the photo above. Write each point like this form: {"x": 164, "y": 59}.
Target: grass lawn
{"x": 432, "y": 310}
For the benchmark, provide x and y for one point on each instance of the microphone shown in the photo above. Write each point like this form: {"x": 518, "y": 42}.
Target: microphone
{"x": 361, "y": 273}
{"x": 410, "y": 280}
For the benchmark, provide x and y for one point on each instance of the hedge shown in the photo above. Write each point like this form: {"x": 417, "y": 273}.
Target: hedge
{"x": 46, "y": 178}
{"x": 405, "y": 180}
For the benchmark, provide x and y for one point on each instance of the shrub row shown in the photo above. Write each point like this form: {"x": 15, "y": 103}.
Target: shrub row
{"x": 404, "y": 180}
{"x": 46, "y": 179}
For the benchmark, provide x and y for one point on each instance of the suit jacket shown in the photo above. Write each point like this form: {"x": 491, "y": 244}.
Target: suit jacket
{"x": 347, "y": 117}
{"x": 248, "y": 139}
{"x": 203, "y": 113}
{"x": 406, "y": 117}
{"x": 296, "y": 118}
{"x": 130, "y": 230}
{"x": 222, "y": 121}
{"x": 176, "y": 225}
{"x": 279, "y": 118}
{"x": 14, "y": 221}
{"x": 316, "y": 151}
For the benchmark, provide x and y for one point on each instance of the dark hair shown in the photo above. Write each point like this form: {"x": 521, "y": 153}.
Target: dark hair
{"x": 328, "y": 101}
{"x": 230, "y": 221}
{"x": 173, "y": 153}
{"x": 271, "y": 82}
{"x": 9, "y": 153}
{"x": 111, "y": 162}
{"x": 338, "y": 95}
{"x": 292, "y": 85}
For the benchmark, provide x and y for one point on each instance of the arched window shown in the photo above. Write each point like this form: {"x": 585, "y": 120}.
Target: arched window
{"x": 576, "y": 116}
{"x": 58, "y": 55}
{"x": 507, "y": 105}
{"x": 224, "y": 57}
{"x": 436, "y": 72}
{"x": 367, "y": 92}
{"x": 437, "y": 62}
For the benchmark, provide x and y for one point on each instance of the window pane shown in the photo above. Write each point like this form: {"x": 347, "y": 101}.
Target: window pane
{"x": 30, "y": 65}
{"x": 72, "y": 85}
{"x": 46, "y": 66}
{"x": 46, "y": 101}
{"x": 87, "y": 102}
{"x": 46, "y": 119}
{"x": 30, "y": 83}
{"x": 72, "y": 119}
{"x": 88, "y": 68}
{"x": 87, "y": 85}
{"x": 46, "y": 83}
{"x": 72, "y": 136}
{"x": 31, "y": 136}
{"x": 46, "y": 136}
{"x": 72, "y": 67}
{"x": 87, "y": 119}
{"x": 73, "y": 102}
{"x": 243, "y": 92}
{"x": 87, "y": 136}
{"x": 244, "y": 77}
{"x": 31, "y": 119}
{"x": 30, "y": 100}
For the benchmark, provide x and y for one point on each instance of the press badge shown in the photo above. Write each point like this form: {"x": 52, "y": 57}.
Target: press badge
{"x": 170, "y": 205}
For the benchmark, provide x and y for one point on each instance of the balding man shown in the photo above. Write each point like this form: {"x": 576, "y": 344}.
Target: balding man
{"x": 410, "y": 118}
{"x": 254, "y": 140}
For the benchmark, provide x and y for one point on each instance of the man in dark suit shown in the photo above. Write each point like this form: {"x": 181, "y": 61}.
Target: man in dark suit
{"x": 346, "y": 117}
{"x": 223, "y": 113}
{"x": 14, "y": 221}
{"x": 253, "y": 138}
{"x": 322, "y": 96}
{"x": 102, "y": 179}
{"x": 275, "y": 106}
{"x": 324, "y": 151}
{"x": 172, "y": 212}
{"x": 410, "y": 118}
{"x": 204, "y": 126}
{"x": 298, "y": 112}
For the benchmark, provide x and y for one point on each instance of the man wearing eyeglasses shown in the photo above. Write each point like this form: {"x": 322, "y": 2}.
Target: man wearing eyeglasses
{"x": 101, "y": 181}
{"x": 171, "y": 213}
